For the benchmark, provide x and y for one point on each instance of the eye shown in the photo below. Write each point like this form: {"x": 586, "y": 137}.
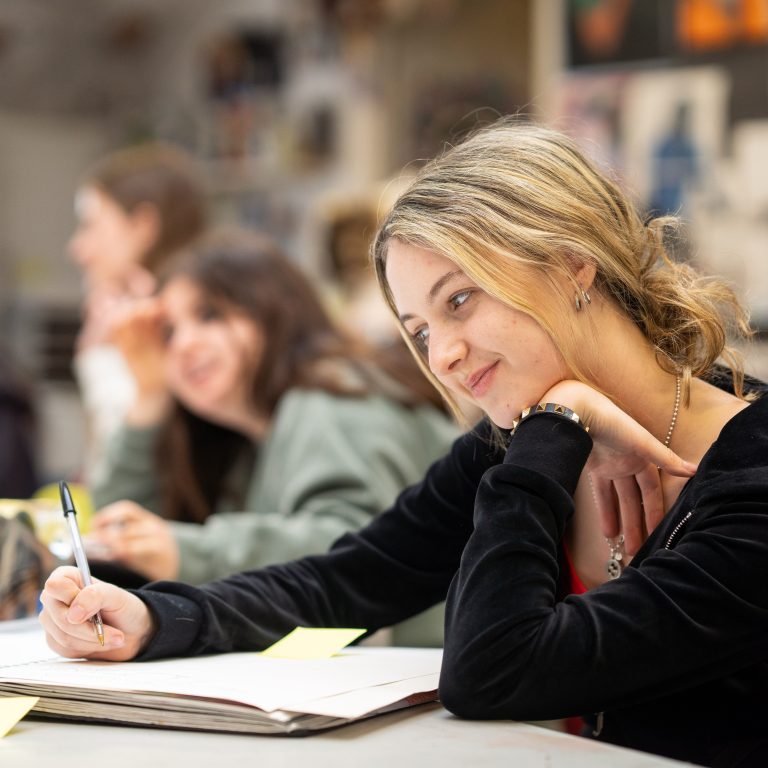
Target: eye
{"x": 208, "y": 312}
{"x": 421, "y": 338}
{"x": 458, "y": 299}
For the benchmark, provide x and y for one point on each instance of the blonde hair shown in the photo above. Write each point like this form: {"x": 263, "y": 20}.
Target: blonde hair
{"x": 523, "y": 196}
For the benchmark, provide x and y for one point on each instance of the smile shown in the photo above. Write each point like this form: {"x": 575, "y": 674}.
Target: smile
{"x": 198, "y": 372}
{"x": 480, "y": 381}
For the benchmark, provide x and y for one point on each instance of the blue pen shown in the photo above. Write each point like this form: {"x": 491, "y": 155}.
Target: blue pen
{"x": 77, "y": 545}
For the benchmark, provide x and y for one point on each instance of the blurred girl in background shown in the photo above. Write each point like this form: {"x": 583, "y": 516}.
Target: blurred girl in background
{"x": 248, "y": 398}
{"x": 135, "y": 208}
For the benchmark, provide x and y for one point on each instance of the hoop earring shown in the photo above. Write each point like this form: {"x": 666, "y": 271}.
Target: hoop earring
{"x": 586, "y": 296}
{"x": 577, "y": 302}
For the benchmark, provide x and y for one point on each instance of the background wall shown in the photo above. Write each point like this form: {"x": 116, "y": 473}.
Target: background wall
{"x": 302, "y": 109}
{"x": 298, "y": 109}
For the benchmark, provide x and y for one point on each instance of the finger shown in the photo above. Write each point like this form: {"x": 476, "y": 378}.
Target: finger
{"x": 677, "y": 466}
{"x": 97, "y": 541}
{"x": 114, "y": 535}
{"x": 121, "y": 512}
{"x": 631, "y": 512}
{"x": 62, "y": 643}
{"x": 135, "y": 554}
{"x": 61, "y": 621}
{"x": 605, "y": 501}
{"x": 667, "y": 460}
{"x": 78, "y": 638}
{"x": 625, "y": 435}
{"x": 649, "y": 483}
{"x": 96, "y": 597}
{"x": 131, "y": 539}
{"x": 118, "y": 552}
{"x": 59, "y": 648}
{"x": 63, "y": 584}
{"x": 53, "y": 614}
{"x": 112, "y": 527}
{"x": 80, "y": 641}
{"x": 100, "y": 522}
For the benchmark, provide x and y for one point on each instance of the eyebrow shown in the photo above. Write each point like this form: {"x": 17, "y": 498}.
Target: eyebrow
{"x": 435, "y": 289}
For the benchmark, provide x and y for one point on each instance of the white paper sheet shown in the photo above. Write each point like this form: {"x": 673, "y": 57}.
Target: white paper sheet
{"x": 354, "y": 677}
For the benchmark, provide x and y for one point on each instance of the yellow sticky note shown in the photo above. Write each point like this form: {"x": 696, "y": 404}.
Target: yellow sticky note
{"x": 312, "y": 643}
{"x": 12, "y": 709}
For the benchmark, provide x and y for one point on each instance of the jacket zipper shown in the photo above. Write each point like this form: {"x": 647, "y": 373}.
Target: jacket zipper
{"x": 599, "y": 715}
{"x": 677, "y": 528}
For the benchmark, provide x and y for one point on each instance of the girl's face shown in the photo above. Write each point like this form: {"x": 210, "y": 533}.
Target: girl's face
{"x": 108, "y": 242}
{"x": 498, "y": 357}
{"x": 211, "y": 354}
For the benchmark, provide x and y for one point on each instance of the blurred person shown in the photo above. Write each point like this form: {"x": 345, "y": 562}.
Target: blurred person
{"x": 135, "y": 207}
{"x": 260, "y": 432}
{"x": 351, "y": 289}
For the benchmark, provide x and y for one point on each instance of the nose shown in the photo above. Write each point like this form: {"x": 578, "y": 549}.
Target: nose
{"x": 183, "y": 338}
{"x": 446, "y": 351}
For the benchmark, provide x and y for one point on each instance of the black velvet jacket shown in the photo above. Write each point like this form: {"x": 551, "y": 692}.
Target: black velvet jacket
{"x": 673, "y": 653}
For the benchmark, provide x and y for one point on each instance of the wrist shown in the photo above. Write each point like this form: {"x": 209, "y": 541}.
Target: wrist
{"x": 557, "y": 409}
{"x": 574, "y": 395}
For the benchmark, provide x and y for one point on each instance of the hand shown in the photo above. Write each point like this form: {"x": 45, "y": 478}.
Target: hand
{"x": 623, "y": 466}
{"x": 99, "y": 309}
{"x": 106, "y": 300}
{"x": 137, "y": 538}
{"x": 137, "y": 331}
{"x": 68, "y": 608}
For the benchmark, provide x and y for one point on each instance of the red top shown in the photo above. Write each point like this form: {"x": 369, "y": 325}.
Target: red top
{"x": 572, "y": 584}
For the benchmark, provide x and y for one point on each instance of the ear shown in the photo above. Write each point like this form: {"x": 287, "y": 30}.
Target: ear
{"x": 584, "y": 274}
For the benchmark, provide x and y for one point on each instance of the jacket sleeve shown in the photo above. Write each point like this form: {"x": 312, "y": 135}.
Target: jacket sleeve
{"x": 128, "y": 471}
{"x": 398, "y": 565}
{"x": 331, "y": 465}
{"x": 684, "y": 616}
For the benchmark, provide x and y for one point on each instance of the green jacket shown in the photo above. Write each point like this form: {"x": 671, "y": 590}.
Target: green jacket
{"x": 328, "y": 465}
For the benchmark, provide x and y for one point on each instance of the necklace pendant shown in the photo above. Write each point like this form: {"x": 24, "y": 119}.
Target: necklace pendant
{"x": 614, "y": 566}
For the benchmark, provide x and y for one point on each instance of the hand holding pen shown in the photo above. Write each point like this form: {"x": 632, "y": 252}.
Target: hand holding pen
{"x": 77, "y": 545}
{"x": 68, "y": 608}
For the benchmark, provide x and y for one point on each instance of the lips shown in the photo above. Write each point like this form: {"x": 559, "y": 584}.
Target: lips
{"x": 479, "y": 382}
{"x": 198, "y": 372}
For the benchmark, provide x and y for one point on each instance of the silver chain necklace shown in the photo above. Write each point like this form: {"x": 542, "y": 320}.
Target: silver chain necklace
{"x": 615, "y": 564}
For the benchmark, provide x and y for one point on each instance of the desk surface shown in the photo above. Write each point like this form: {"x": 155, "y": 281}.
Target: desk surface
{"x": 423, "y": 736}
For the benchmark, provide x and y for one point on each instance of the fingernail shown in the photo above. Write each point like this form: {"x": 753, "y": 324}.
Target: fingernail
{"x": 76, "y": 614}
{"x": 118, "y": 641}
{"x": 690, "y": 467}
